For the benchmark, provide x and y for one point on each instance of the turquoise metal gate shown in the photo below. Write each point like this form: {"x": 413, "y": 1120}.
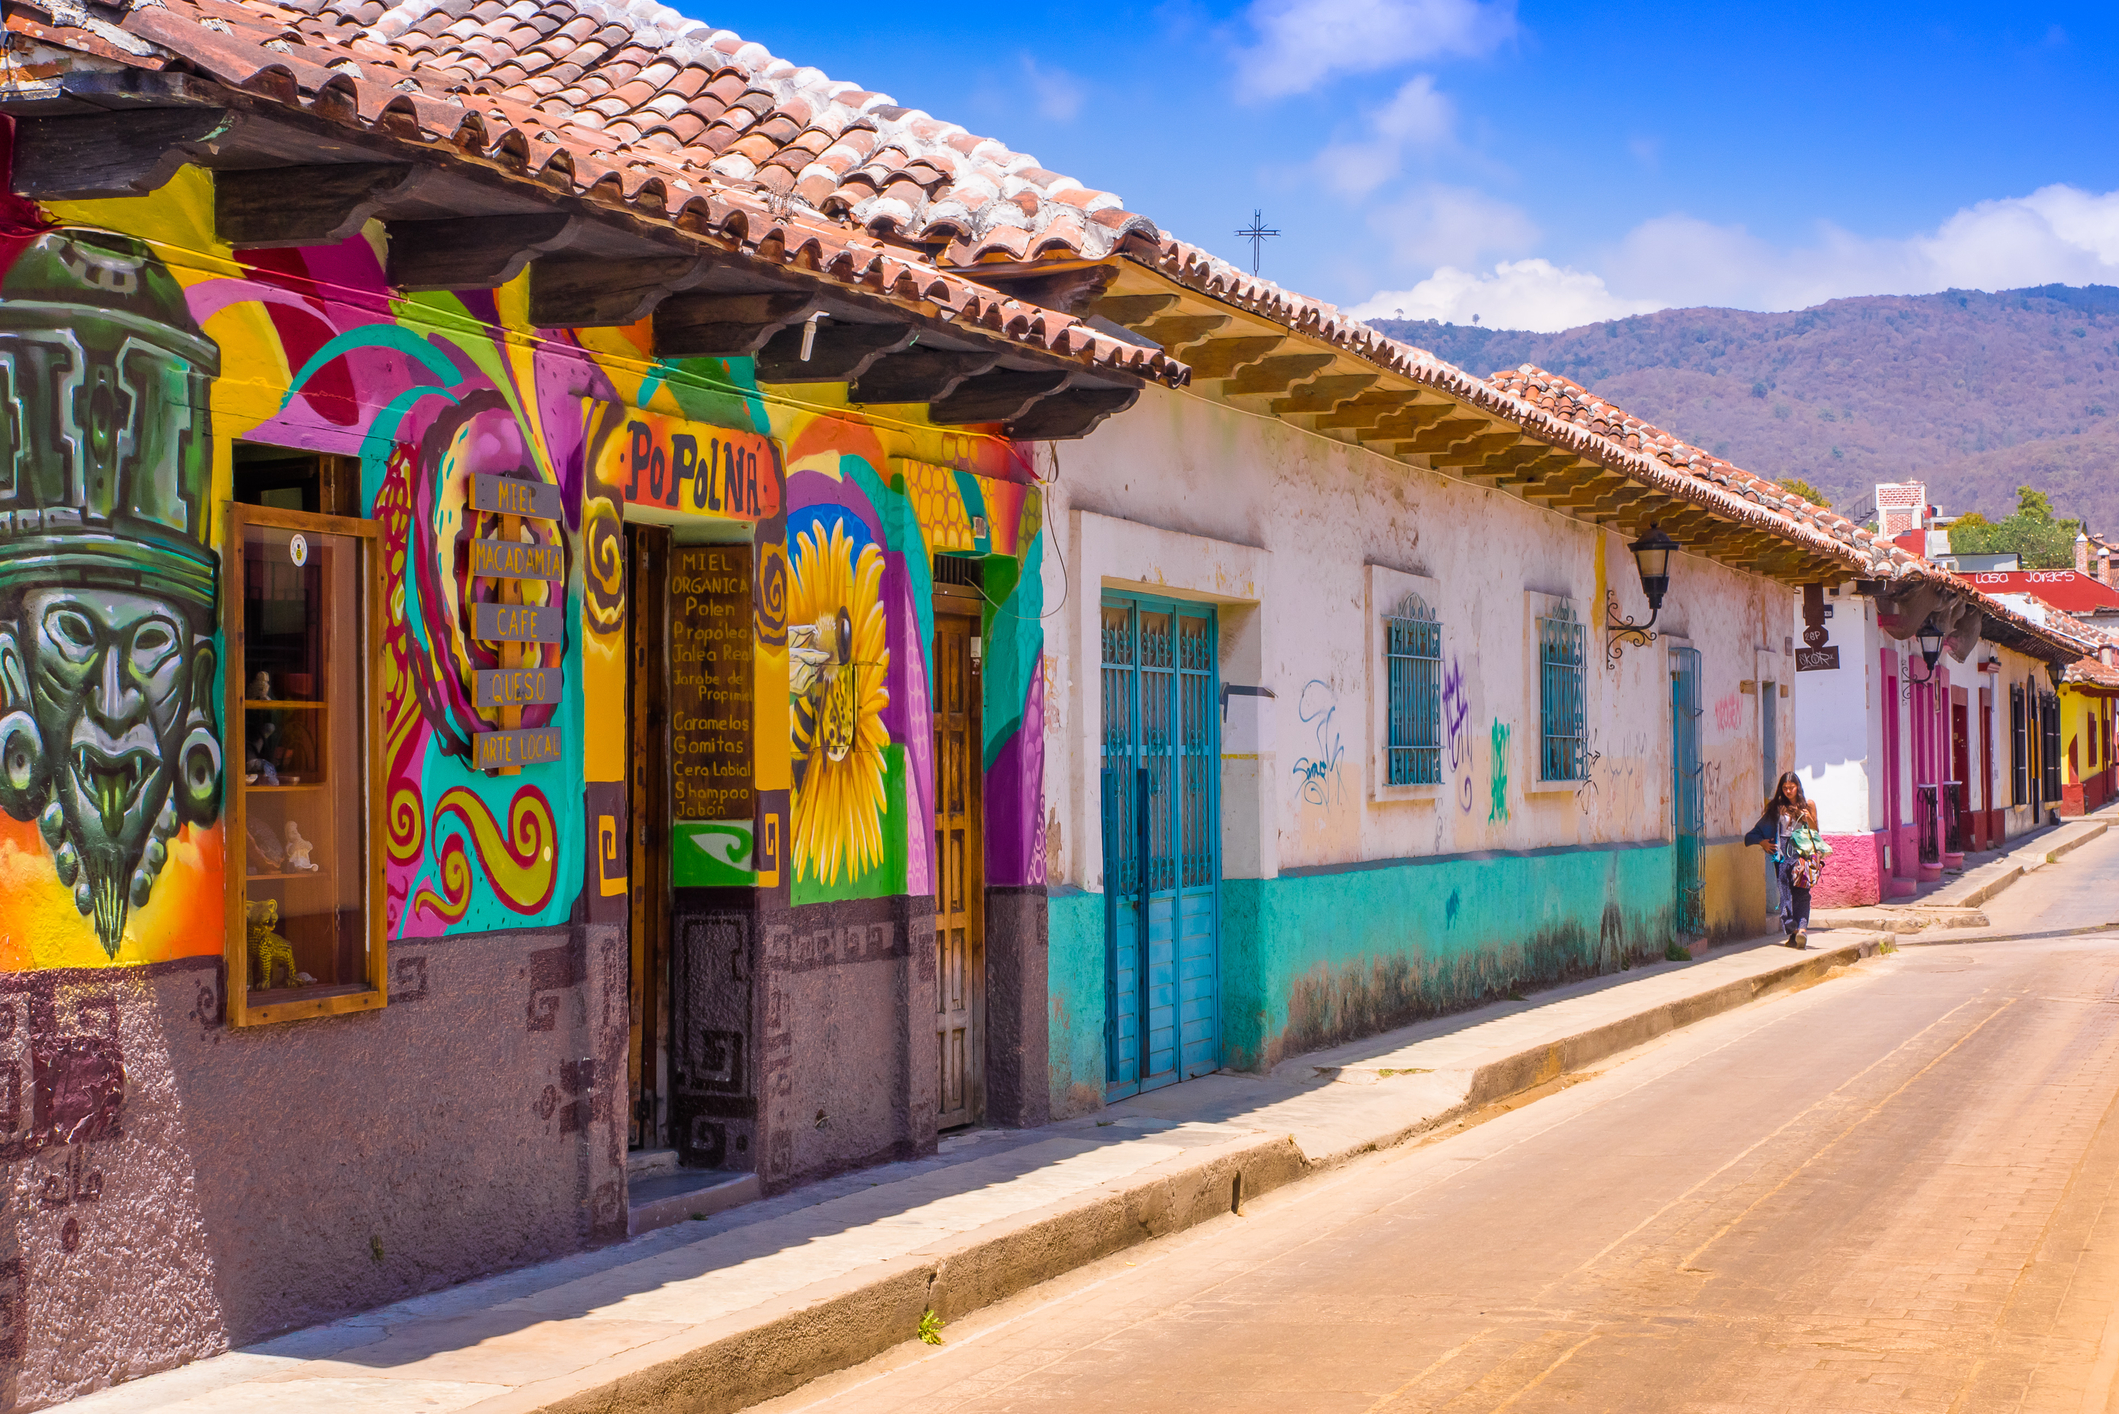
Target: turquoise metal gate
{"x": 1688, "y": 808}
{"x": 1162, "y": 842}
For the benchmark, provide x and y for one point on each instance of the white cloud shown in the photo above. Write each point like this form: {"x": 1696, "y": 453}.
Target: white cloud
{"x": 1519, "y": 294}
{"x": 1057, "y": 93}
{"x": 2055, "y": 235}
{"x": 1301, "y": 43}
{"x": 1436, "y": 225}
{"x": 1417, "y": 117}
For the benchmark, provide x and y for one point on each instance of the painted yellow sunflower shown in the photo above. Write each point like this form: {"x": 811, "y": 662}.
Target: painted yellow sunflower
{"x": 838, "y": 661}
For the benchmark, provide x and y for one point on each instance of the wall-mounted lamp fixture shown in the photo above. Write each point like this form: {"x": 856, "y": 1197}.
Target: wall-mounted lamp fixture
{"x": 1930, "y": 637}
{"x": 1651, "y": 559}
{"x": 2056, "y": 671}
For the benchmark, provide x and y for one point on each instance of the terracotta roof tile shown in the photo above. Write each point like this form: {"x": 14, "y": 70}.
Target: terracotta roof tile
{"x": 590, "y": 54}
{"x": 361, "y": 64}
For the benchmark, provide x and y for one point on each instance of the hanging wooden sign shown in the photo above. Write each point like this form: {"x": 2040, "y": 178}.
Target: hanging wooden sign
{"x": 509, "y": 563}
{"x": 506, "y": 496}
{"x": 517, "y": 687}
{"x": 502, "y": 751}
{"x": 1815, "y": 660}
{"x": 512, "y": 559}
{"x": 691, "y": 470}
{"x": 517, "y": 623}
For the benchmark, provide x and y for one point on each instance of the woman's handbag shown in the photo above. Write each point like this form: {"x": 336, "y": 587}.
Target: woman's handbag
{"x": 1809, "y": 863}
{"x": 1807, "y": 842}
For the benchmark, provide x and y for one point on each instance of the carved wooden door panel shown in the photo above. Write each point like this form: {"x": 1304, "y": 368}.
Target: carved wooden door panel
{"x": 959, "y": 856}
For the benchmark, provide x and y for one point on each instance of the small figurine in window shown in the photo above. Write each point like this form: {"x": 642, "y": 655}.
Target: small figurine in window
{"x": 298, "y": 860}
{"x": 261, "y": 687}
{"x": 268, "y": 949}
{"x": 262, "y": 753}
{"x": 264, "y": 854}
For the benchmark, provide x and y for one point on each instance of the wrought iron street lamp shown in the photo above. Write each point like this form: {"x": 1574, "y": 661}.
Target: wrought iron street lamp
{"x": 1651, "y": 560}
{"x": 1930, "y": 637}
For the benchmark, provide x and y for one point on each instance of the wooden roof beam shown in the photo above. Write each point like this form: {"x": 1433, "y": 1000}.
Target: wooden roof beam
{"x": 1324, "y": 393}
{"x": 1371, "y": 408}
{"x": 1222, "y": 358}
{"x": 1179, "y": 331}
{"x": 1269, "y": 378}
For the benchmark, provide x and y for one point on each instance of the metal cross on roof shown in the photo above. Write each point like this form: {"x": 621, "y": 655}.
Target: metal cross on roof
{"x": 1256, "y": 234}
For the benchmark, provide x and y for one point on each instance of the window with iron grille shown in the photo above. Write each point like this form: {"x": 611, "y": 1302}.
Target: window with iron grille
{"x": 1560, "y": 694}
{"x": 1413, "y": 655}
{"x": 2019, "y": 750}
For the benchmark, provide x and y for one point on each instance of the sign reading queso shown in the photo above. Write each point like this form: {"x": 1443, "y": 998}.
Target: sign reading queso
{"x": 688, "y": 470}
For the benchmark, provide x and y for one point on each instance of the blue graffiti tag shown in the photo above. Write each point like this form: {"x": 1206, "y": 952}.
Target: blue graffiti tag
{"x": 1319, "y": 774}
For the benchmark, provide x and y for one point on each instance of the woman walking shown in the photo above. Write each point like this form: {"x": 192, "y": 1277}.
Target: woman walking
{"x": 1788, "y": 828}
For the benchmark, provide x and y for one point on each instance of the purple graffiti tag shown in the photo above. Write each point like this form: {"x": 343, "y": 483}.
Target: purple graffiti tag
{"x": 1456, "y": 708}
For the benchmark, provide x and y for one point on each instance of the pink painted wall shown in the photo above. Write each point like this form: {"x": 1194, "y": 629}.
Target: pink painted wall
{"x": 1854, "y": 875}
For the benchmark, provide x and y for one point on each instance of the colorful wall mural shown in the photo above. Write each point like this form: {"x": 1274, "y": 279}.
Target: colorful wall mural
{"x": 136, "y": 362}
{"x": 863, "y": 528}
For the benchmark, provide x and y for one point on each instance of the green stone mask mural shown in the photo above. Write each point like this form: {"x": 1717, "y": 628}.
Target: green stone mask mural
{"x": 108, "y": 738}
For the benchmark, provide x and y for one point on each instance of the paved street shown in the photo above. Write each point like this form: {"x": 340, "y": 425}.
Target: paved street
{"x": 1890, "y": 1191}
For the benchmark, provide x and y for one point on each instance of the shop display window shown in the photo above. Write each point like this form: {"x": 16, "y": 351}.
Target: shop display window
{"x": 300, "y": 595}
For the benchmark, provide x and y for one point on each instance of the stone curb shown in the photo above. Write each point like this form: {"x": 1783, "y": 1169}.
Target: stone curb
{"x": 745, "y": 1358}
{"x": 2070, "y": 846}
{"x": 1500, "y": 1079}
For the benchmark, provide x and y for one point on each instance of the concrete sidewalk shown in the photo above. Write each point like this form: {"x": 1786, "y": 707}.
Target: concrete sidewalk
{"x": 718, "y": 1314}
{"x": 1959, "y": 902}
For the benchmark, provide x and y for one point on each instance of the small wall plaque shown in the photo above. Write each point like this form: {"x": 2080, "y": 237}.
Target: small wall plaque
{"x": 1816, "y": 660}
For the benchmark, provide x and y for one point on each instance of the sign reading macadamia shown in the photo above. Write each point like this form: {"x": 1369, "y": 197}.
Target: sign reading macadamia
{"x": 710, "y": 682}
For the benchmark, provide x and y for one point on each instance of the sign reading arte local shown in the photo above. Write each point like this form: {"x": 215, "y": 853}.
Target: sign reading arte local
{"x": 710, "y": 716}
{"x": 509, "y": 622}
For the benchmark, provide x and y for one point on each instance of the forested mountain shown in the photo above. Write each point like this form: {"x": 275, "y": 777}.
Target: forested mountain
{"x": 1973, "y": 392}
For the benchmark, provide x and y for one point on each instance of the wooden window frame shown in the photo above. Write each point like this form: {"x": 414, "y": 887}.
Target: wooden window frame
{"x": 2019, "y": 749}
{"x": 237, "y": 516}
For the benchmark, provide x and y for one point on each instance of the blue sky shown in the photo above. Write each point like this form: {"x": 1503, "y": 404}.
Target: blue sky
{"x": 1539, "y": 165}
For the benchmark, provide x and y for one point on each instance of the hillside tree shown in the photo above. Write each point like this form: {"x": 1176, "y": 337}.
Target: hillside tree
{"x": 2044, "y": 542}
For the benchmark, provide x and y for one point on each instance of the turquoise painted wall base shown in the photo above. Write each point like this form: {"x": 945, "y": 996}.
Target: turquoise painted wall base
{"x": 1316, "y": 957}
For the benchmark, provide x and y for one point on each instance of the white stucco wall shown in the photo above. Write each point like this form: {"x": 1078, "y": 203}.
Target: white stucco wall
{"x": 1303, "y": 541}
{"x": 1839, "y": 720}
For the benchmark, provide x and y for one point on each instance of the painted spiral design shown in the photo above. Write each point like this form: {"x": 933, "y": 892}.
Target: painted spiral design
{"x": 770, "y": 613}
{"x": 603, "y": 566}
{"x": 454, "y": 873}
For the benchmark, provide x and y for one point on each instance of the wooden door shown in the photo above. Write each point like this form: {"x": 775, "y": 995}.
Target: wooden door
{"x": 960, "y": 876}
{"x": 647, "y": 698}
{"x": 1162, "y": 842}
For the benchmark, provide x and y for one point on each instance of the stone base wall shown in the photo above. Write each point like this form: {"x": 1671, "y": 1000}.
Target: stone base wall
{"x": 835, "y": 1068}
{"x": 174, "y": 1187}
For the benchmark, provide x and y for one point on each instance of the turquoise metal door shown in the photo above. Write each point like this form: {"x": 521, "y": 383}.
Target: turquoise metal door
{"x": 1162, "y": 843}
{"x": 1689, "y": 815}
